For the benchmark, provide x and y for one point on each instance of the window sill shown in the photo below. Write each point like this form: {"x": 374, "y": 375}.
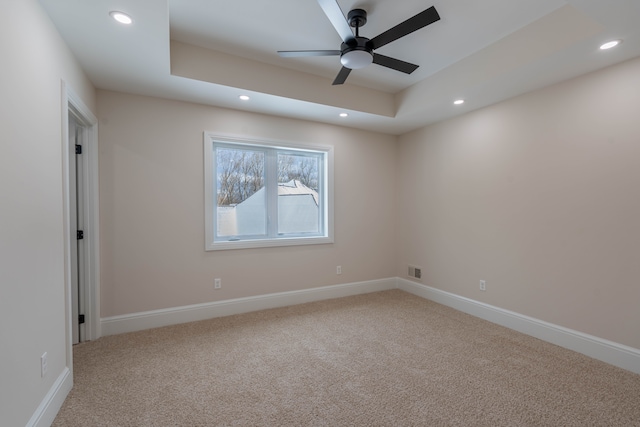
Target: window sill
{"x": 250, "y": 244}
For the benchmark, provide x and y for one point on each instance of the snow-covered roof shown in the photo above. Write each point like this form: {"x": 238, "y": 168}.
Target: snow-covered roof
{"x": 296, "y": 188}
{"x": 295, "y": 214}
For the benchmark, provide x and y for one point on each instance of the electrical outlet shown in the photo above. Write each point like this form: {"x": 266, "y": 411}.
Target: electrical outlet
{"x": 43, "y": 364}
{"x": 483, "y": 285}
{"x": 339, "y": 269}
{"x": 217, "y": 283}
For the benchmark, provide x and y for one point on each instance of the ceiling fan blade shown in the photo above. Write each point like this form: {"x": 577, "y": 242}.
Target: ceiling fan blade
{"x": 298, "y": 53}
{"x": 342, "y": 76}
{"x": 421, "y": 20}
{"x": 332, "y": 9}
{"x": 394, "y": 64}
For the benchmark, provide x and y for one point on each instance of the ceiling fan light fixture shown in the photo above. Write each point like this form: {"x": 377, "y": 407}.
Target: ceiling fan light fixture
{"x": 356, "y": 59}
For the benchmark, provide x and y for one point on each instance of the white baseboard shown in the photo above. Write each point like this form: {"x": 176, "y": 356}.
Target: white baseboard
{"x": 52, "y": 402}
{"x": 191, "y": 313}
{"x": 607, "y": 351}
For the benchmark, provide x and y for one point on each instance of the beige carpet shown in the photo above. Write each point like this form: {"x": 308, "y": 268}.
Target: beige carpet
{"x": 382, "y": 359}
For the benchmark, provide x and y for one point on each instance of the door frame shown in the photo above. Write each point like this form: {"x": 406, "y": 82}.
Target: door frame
{"x": 72, "y": 104}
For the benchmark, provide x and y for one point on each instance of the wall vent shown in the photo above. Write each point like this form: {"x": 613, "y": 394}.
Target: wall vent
{"x": 415, "y": 272}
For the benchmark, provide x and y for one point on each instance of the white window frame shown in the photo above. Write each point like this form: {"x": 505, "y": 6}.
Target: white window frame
{"x": 210, "y": 196}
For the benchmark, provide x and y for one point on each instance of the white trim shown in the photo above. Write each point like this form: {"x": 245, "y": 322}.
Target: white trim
{"x": 73, "y": 104}
{"x": 52, "y": 402}
{"x": 607, "y": 351}
{"x": 191, "y": 313}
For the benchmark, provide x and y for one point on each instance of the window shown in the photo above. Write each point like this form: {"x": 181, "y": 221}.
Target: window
{"x": 261, "y": 194}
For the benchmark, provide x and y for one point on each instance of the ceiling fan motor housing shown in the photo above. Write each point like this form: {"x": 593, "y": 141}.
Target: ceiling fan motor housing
{"x": 356, "y": 53}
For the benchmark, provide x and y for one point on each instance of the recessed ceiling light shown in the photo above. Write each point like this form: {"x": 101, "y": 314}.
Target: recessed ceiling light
{"x": 344, "y": 115}
{"x": 458, "y": 101}
{"x": 610, "y": 44}
{"x": 244, "y": 97}
{"x": 121, "y": 17}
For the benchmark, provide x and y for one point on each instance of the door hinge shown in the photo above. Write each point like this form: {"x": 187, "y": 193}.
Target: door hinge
{"x": 81, "y": 318}
{"x": 78, "y": 149}
{"x": 80, "y": 234}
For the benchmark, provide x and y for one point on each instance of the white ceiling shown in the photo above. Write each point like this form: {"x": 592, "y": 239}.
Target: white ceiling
{"x": 211, "y": 51}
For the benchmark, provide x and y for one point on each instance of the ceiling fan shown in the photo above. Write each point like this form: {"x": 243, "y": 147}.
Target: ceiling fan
{"x": 358, "y": 52}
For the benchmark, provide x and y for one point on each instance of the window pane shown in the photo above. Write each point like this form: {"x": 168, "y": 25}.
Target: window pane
{"x": 262, "y": 195}
{"x": 299, "y": 204}
{"x": 241, "y": 199}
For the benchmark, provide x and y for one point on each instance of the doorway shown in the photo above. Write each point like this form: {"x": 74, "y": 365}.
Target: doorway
{"x": 77, "y": 201}
{"x": 80, "y": 166}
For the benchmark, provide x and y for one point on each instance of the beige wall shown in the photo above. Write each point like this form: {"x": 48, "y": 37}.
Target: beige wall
{"x": 152, "y": 211}
{"x": 32, "y": 289}
{"x": 539, "y": 197}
